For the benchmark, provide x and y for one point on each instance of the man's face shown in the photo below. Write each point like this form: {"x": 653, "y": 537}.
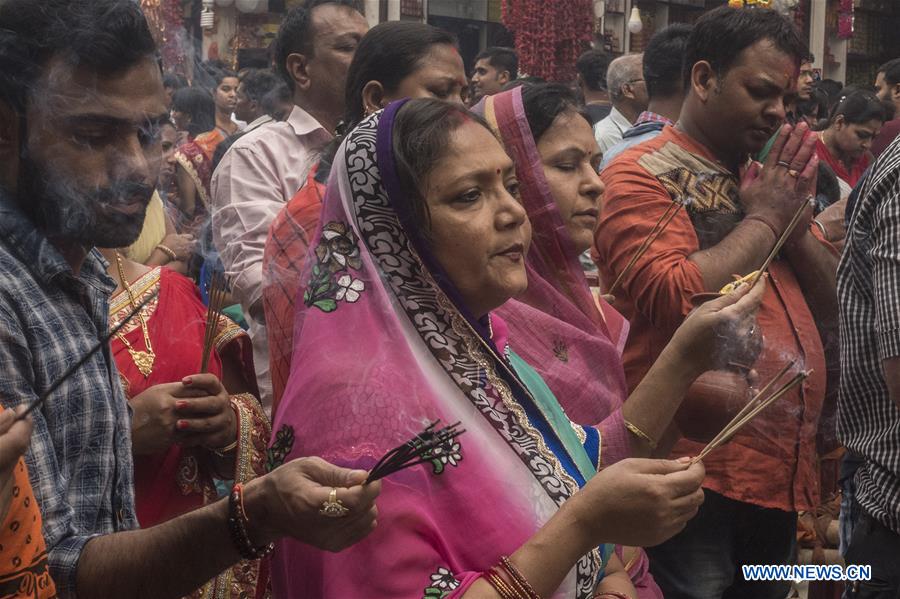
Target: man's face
{"x": 244, "y": 107}
{"x": 487, "y": 80}
{"x": 92, "y": 152}
{"x": 887, "y": 92}
{"x": 805, "y": 81}
{"x": 745, "y": 106}
{"x": 337, "y": 31}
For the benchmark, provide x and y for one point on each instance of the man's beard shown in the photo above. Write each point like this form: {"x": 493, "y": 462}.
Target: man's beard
{"x": 89, "y": 219}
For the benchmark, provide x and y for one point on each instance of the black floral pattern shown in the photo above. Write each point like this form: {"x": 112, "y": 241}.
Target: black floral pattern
{"x": 280, "y": 448}
{"x": 330, "y": 281}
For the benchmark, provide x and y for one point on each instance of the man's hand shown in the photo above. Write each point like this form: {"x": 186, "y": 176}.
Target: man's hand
{"x": 14, "y": 438}
{"x": 286, "y": 502}
{"x": 772, "y": 193}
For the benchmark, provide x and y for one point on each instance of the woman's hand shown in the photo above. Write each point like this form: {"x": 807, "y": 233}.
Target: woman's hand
{"x": 721, "y": 332}
{"x": 636, "y": 502}
{"x": 153, "y": 419}
{"x": 204, "y": 414}
{"x": 182, "y": 244}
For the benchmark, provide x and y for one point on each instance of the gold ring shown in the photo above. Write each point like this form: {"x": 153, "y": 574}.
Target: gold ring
{"x": 793, "y": 173}
{"x": 783, "y": 163}
{"x": 334, "y": 507}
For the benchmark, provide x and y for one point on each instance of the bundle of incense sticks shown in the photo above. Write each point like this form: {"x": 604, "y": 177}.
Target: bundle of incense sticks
{"x": 217, "y": 294}
{"x": 781, "y": 241}
{"x": 753, "y": 408}
{"x": 103, "y": 342}
{"x": 421, "y": 449}
{"x": 655, "y": 232}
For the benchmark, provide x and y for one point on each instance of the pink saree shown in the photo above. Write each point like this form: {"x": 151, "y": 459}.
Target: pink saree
{"x": 573, "y": 341}
{"x": 381, "y": 348}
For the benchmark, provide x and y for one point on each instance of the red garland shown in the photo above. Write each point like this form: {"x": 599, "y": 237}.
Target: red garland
{"x": 166, "y": 19}
{"x": 550, "y": 36}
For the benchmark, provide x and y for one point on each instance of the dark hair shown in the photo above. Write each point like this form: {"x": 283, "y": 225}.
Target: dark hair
{"x": 859, "y": 106}
{"x": 295, "y": 35}
{"x": 808, "y": 57}
{"x": 421, "y": 134}
{"x": 388, "y": 53}
{"x": 108, "y": 36}
{"x": 720, "y": 36}
{"x": 891, "y": 70}
{"x": 529, "y": 81}
{"x": 546, "y": 101}
{"x": 259, "y": 82}
{"x": 502, "y": 59}
{"x": 816, "y": 106}
{"x": 664, "y": 61}
{"x": 199, "y": 105}
{"x": 271, "y": 102}
{"x": 832, "y": 90}
{"x": 592, "y": 67}
{"x": 174, "y": 81}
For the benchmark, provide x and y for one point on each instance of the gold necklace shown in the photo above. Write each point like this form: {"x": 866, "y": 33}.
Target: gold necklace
{"x": 142, "y": 359}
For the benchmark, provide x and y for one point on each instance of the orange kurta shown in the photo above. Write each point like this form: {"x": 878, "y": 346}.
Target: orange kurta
{"x": 772, "y": 461}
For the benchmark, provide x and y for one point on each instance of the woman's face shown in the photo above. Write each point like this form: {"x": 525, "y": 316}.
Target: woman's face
{"x": 181, "y": 120}
{"x": 852, "y": 139}
{"x": 570, "y": 156}
{"x": 440, "y": 74}
{"x": 479, "y": 231}
{"x": 226, "y": 94}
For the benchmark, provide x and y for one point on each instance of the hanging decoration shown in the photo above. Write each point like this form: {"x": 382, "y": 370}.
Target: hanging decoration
{"x": 845, "y": 19}
{"x": 550, "y": 36}
{"x": 166, "y": 20}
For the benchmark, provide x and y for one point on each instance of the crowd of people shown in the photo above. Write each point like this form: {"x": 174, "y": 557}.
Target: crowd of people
{"x": 310, "y": 270}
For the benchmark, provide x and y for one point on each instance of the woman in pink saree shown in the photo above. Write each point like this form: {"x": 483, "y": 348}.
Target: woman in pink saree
{"x": 573, "y": 338}
{"x": 396, "y": 329}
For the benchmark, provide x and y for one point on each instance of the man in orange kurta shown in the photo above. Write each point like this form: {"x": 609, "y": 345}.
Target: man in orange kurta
{"x": 741, "y": 64}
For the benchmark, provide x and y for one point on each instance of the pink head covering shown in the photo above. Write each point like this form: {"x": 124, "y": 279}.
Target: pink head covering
{"x": 381, "y": 347}
{"x": 573, "y": 340}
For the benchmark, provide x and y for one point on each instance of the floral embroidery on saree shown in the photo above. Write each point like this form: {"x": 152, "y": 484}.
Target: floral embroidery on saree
{"x": 442, "y": 582}
{"x": 442, "y": 456}
{"x": 281, "y": 447}
{"x": 330, "y": 283}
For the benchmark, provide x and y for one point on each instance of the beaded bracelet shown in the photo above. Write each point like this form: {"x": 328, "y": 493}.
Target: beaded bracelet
{"x": 518, "y": 579}
{"x": 496, "y": 581}
{"x": 237, "y": 526}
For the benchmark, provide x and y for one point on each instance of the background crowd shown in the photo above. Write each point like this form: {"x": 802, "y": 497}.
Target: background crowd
{"x": 392, "y": 241}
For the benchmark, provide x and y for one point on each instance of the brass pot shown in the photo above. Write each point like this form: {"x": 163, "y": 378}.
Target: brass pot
{"x": 711, "y": 402}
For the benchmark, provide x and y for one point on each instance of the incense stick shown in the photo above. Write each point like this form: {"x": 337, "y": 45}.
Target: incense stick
{"x": 733, "y": 428}
{"x": 781, "y": 241}
{"x": 104, "y": 341}
{"x": 750, "y": 405}
{"x": 421, "y": 449}
{"x": 652, "y": 236}
{"x": 216, "y": 296}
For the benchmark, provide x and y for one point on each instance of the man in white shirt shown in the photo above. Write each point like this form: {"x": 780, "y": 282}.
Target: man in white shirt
{"x": 266, "y": 167}
{"x": 628, "y": 94}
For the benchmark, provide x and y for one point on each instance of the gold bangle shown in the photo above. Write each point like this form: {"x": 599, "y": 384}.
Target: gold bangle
{"x": 221, "y": 451}
{"x": 640, "y": 434}
{"x": 822, "y": 229}
{"x": 167, "y": 251}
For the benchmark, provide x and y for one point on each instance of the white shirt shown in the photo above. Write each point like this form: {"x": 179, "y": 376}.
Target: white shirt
{"x": 610, "y": 130}
{"x": 257, "y": 176}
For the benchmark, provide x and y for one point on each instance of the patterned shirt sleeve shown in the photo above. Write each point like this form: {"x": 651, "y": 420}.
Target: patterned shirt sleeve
{"x": 885, "y": 256}
{"x": 64, "y": 546}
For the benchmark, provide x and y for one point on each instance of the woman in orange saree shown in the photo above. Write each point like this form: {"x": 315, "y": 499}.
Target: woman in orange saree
{"x": 189, "y": 431}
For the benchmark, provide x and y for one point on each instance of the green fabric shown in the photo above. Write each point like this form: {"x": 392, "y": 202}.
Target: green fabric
{"x": 236, "y": 314}
{"x": 554, "y": 414}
